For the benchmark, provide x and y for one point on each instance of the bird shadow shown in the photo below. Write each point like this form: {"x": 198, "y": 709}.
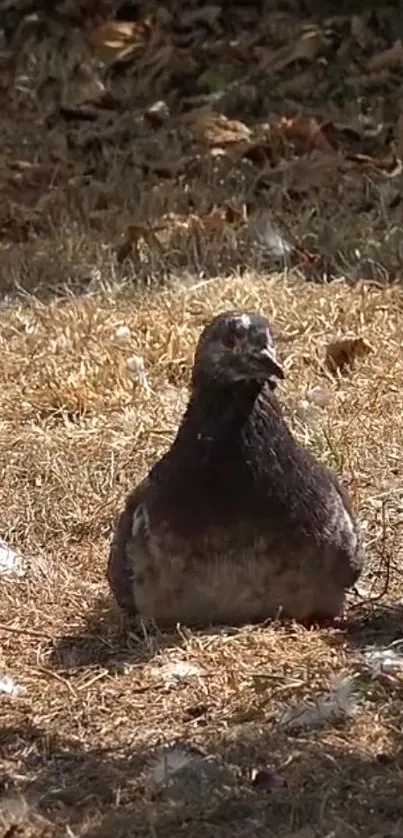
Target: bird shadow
{"x": 374, "y": 623}
{"x": 109, "y": 640}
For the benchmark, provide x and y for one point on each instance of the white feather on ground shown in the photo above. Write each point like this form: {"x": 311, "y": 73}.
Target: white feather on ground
{"x": 184, "y": 774}
{"x": 11, "y": 563}
{"x": 177, "y": 672}
{"x": 333, "y": 707}
{"x": 388, "y": 659}
{"x": 10, "y": 687}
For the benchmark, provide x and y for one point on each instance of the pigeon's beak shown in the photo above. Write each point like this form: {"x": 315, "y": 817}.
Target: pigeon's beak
{"x": 268, "y": 363}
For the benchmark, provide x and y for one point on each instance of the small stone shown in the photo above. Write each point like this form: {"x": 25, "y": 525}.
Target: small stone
{"x": 158, "y": 113}
{"x": 173, "y": 673}
{"x": 319, "y": 396}
{"x": 135, "y": 365}
{"x": 122, "y": 334}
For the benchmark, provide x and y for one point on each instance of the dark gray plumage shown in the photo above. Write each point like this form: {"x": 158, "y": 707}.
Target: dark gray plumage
{"x": 236, "y": 523}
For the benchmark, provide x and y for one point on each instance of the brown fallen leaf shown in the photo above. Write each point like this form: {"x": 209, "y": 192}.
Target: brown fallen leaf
{"x": 210, "y": 225}
{"x": 305, "y": 131}
{"x": 157, "y": 237}
{"x": 387, "y": 59}
{"x": 176, "y": 229}
{"x": 116, "y": 38}
{"x": 215, "y": 129}
{"x": 391, "y": 166}
{"x": 342, "y": 353}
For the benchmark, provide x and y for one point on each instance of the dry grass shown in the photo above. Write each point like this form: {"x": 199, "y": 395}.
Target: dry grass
{"x": 75, "y": 433}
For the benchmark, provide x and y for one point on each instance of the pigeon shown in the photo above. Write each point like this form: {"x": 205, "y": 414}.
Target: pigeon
{"x": 237, "y": 523}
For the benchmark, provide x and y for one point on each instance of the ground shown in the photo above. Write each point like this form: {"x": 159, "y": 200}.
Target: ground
{"x": 77, "y": 431}
{"x": 87, "y": 247}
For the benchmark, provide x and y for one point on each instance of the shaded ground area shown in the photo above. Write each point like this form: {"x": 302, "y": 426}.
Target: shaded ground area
{"x": 141, "y": 140}
{"x": 77, "y": 747}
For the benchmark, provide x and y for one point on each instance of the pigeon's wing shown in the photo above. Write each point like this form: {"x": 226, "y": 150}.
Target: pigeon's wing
{"x": 349, "y": 525}
{"x": 119, "y": 570}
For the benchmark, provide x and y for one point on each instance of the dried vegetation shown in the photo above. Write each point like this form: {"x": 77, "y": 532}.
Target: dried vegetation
{"x": 77, "y": 430}
{"x": 154, "y": 140}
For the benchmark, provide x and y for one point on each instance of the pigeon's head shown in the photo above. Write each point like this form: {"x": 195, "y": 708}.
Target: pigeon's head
{"x": 235, "y": 347}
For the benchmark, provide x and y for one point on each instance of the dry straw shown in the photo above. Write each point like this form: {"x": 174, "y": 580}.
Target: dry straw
{"x": 77, "y": 429}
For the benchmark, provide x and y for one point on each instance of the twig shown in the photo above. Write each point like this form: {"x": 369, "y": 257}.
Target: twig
{"x": 55, "y": 675}
{"x": 18, "y": 630}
